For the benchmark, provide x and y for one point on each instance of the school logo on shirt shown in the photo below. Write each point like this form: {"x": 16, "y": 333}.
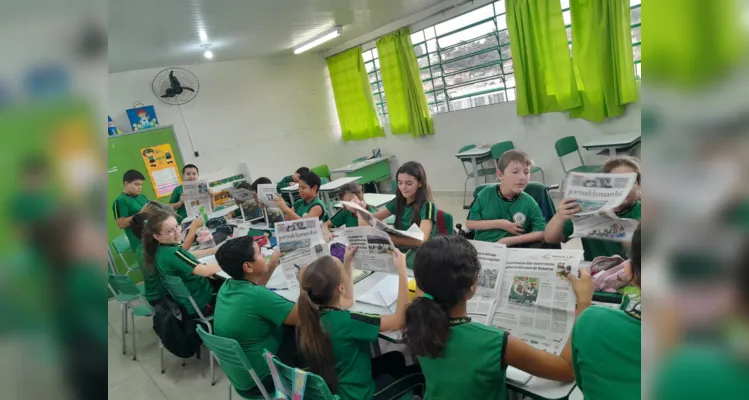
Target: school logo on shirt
{"x": 518, "y": 218}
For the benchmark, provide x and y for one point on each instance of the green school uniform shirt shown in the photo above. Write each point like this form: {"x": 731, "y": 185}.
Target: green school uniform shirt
{"x": 597, "y": 247}
{"x": 428, "y": 211}
{"x": 173, "y": 260}
{"x": 176, "y": 195}
{"x": 154, "y": 288}
{"x": 346, "y": 218}
{"x": 350, "y": 335}
{"x": 32, "y": 207}
{"x": 125, "y": 206}
{"x": 491, "y": 205}
{"x": 253, "y": 316}
{"x": 471, "y": 365}
{"x": 606, "y": 358}
{"x": 301, "y": 208}
{"x": 285, "y": 182}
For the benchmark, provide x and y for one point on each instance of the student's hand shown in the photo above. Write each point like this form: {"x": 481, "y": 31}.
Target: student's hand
{"x": 146, "y": 208}
{"x": 348, "y": 258}
{"x": 567, "y": 207}
{"x": 280, "y": 202}
{"x": 400, "y": 262}
{"x": 275, "y": 258}
{"x": 582, "y": 286}
{"x": 196, "y": 223}
{"x": 328, "y": 235}
{"x": 505, "y": 241}
{"x": 512, "y": 227}
{"x": 182, "y": 198}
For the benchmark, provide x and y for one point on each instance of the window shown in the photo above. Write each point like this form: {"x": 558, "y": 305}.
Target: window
{"x": 635, "y": 21}
{"x": 372, "y": 66}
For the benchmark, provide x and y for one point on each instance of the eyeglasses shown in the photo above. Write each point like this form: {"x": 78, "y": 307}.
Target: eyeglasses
{"x": 173, "y": 230}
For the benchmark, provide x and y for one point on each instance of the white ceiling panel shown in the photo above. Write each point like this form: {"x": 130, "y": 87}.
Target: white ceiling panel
{"x": 160, "y": 33}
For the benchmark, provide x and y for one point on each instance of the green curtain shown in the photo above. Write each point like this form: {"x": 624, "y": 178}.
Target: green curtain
{"x": 353, "y": 98}
{"x": 407, "y": 104}
{"x": 602, "y": 57}
{"x": 544, "y": 77}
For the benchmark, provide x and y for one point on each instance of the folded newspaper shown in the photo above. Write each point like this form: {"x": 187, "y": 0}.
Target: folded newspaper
{"x": 376, "y": 223}
{"x": 196, "y": 195}
{"x": 266, "y": 193}
{"x": 598, "y": 195}
{"x": 375, "y": 249}
{"x": 300, "y": 242}
{"x": 527, "y": 293}
{"x": 249, "y": 209}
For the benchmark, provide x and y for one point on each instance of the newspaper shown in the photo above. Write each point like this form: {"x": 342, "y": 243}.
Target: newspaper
{"x": 598, "y": 195}
{"x": 375, "y": 249}
{"x": 300, "y": 242}
{"x": 266, "y": 193}
{"x": 376, "y": 223}
{"x": 492, "y": 257}
{"x": 480, "y": 309}
{"x": 536, "y": 302}
{"x": 249, "y": 209}
{"x": 196, "y": 195}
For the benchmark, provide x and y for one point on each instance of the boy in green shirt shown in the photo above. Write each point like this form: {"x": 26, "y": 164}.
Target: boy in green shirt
{"x": 129, "y": 203}
{"x": 189, "y": 173}
{"x": 290, "y": 180}
{"x": 506, "y": 214}
{"x": 344, "y": 217}
{"x": 251, "y": 314}
{"x": 309, "y": 206}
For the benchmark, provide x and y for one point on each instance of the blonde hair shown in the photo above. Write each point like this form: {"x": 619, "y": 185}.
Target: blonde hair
{"x": 513, "y": 155}
{"x": 623, "y": 161}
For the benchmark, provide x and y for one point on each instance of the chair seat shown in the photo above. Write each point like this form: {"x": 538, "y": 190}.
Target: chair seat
{"x": 587, "y": 169}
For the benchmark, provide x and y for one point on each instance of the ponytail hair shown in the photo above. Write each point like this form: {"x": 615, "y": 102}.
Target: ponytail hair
{"x": 423, "y": 194}
{"x": 318, "y": 285}
{"x": 149, "y": 243}
{"x": 446, "y": 268}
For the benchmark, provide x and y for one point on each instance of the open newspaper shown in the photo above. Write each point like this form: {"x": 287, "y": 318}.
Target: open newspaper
{"x": 196, "y": 195}
{"x": 492, "y": 257}
{"x": 376, "y": 223}
{"x": 598, "y": 195}
{"x": 249, "y": 208}
{"x": 375, "y": 249}
{"x": 300, "y": 242}
{"x": 266, "y": 192}
{"x": 536, "y": 302}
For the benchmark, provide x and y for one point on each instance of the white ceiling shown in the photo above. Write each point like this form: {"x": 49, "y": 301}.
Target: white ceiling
{"x": 161, "y": 33}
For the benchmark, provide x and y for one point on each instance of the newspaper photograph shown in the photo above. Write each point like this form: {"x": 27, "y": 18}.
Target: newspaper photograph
{"x": 370, "y": 220}
{"x": 375, "y": 249}
{"x": 598, "y": 195}
{"x": 492, "y": 257}
{"x": 196, "y": 195}
{"x": 249, "y": 209}
{"x": 536, "y": 302}
{"x": 266, "y": 193}
{"x": 300, "y": 242}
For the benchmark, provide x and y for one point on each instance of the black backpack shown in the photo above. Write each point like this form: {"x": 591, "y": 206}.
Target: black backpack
{"x": 176, "y": 329}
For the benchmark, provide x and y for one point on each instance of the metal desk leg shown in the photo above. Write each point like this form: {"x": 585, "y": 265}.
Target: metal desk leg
{"x": 291, "y": 197}
{"x": 328, "y": 203}
{"x": 475, "y": 172}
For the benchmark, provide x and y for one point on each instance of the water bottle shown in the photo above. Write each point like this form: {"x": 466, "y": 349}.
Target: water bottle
{"x": 203, "y": 215}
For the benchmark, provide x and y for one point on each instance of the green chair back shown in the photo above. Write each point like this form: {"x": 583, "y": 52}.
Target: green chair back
{"x": 566, "y": 145}
{"x": 500, "y": 148}
{"x": 321, "y": 171}
{"x": 359, "y": 159}
{"x": 395, "y": 185}
{"x": 445, "y": 223}
{"x": 324, "y": 180}
{"x": 481, "y": 187}
{"x": 124, "y": 285}
{"x": 466, "y": 147}
{"x": 125, "y": 291}
{"x": 121, "y": 244}
{"x": 179, "y": 291}
{"x": 230, "y": 354}
{"x": 283, "y": 377}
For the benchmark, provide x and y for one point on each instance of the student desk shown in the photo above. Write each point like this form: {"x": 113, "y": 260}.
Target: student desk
{"x": 613, "y": 143}
{"x": 333, "y": 186}
{"x": 370, "y": 170}
{"x": 290, "y": 190}
{"x": 375, "y": 200}
{"x": 476, "y": 156}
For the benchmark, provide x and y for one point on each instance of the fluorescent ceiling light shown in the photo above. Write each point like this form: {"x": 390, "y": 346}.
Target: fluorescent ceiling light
{"x": 320, "y": 39}
{"x": 203, "y": 35}
{"x": 208, "y": 54}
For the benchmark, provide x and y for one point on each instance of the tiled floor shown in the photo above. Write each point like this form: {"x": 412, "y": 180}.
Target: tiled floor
{"x": 142, "y": 379}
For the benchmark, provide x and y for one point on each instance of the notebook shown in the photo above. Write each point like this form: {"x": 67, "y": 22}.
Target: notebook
{"x": 383, "y": 294}
{"x": 518, "y": 376}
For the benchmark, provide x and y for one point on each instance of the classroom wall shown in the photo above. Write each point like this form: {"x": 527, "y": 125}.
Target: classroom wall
{"x": 491, "y": 124}
{"x": 266, "y": 112}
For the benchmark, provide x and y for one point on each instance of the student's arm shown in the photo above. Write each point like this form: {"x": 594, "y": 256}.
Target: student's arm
{"x": 394, "y": 322}
{"x": 426, "y": 226}
{"x": 401, "y": 241}
{"x": 203, "y": 253}
{"x": 119, "y": 212}
{"x": 532, "y": 237}
{"x": 293, "y": 317}
{"x": 476, "y": 220}
{"x": 315, "y": 212}
{"x": 177, "y": 199}
{"x": 190, "y": 237}
{"x": 288, "y": 212}
{"x": 546, "y": 365}
{"x": 347, "y": 300}
{"x": 275, "y": 260}
{"x": 326, "y": 230}
{"x": 554, "y": 232}
{"x": 536, "y": 223}
{"x": 381, "y": 214}
{"x": 206, "y": 270}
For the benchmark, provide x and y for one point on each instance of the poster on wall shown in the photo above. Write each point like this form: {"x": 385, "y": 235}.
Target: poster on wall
{"x": 162, "y": 169}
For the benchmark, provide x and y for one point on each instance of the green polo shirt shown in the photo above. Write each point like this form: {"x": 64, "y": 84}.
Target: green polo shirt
{"x": 154, "y": 288}
{"x": 285, "y": 182}
{"x": 173, "y": 260}
{"x": 606, "y": 358}
{"x": 471, "y": 365}
{"x": 597, "y": 247}
{"x": 428, "y": 211}
{"x": 253, "y": 316}
{"x": 491, "y": 205}
{"x": 176, "y": 195}
{"x": 350, "y": 335}
{"x": 301, "y": 208}
{"x": 32, "y": 207}
{"x": 346, "y": 218}
{"x": 126, "y": 206}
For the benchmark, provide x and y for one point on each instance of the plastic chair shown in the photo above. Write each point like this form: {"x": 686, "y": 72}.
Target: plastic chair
{"x": 293, "y": 381}
{"x": 445, "y": 223}
{"x": 131, "y": 299}
{"x": 229, "y": 353}
{"x": 121, "y": 244}
{"x": 179, "y": 292}
{"x": 482, "y": 172}
{"x": 322, "y": 171}
{"x": 502, "y": 147}
{"x": 568, "y": 145}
